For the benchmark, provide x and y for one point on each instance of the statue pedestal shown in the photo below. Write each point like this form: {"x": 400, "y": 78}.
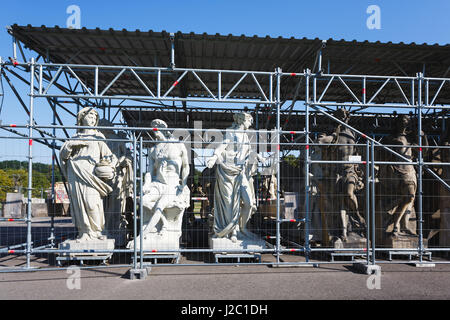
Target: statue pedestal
{"x": 404, "y": 241}
{"x": 88, "y": 248}
{"x": 158, "y": 241}
{"x": 353, "y": 241}
{"x": 225, "y": 244}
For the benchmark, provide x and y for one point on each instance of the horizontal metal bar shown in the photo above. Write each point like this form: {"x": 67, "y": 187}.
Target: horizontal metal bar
{"x": 137, "y": 68}
{"x": 150, "y": 129}
{"x": 325, "y": 75}
{"x": 148, "y": 98}
{"x": 336, "y": 162}
{"x": 372, "y": 105}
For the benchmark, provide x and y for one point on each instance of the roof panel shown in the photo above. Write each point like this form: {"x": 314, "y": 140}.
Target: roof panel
{"x": 203, "y": 51}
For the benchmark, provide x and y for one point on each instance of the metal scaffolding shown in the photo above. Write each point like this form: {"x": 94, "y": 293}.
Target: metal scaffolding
{"x": 82, "y": 85}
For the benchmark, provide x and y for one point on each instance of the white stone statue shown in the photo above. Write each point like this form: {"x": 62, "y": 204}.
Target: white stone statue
{"x": 234, "y": 194}
{"x": 122, "y": 185}
{"x": 87, "y": 165}
{"x": 166, "y": 194}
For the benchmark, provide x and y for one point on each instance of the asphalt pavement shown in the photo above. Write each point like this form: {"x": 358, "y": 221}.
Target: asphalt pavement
{"x": 259, "y": 282}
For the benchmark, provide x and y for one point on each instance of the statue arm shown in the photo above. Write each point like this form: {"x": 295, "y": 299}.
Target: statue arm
{"x": 217, "y": 153}
{"x": 105, "y": 152}
{"x": 66, "y": 151}
{"x": 149, "y": 174}
{"x": 335, "y": 134}
{"x": 184, "y": 166}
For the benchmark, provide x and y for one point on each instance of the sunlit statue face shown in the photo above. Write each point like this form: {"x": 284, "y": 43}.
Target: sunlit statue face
{"x": 247, "y": 123}
{"x": 244, "y": 121}
{"x": 404, "y": 121}
{"x": 89, "y": 119}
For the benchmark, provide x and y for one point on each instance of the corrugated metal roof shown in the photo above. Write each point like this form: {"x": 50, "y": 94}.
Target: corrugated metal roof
{"x": 204, "y": 51}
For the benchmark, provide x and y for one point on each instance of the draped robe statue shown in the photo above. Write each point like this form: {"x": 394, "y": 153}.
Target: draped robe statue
{"x": 87, "y": 165}
{"x": 234, "y": 194}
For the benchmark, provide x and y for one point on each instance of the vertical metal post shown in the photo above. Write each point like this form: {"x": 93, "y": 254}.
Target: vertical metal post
{"x": 141, "y": 209}
{"x": 30, "y": 162}
{"x": 96, "y": 82}
{"x": 319, "y": 63}
{"x": 372, "y": 173}
{"x": 364, "y": 93}
{"x": 420, "y": 184}
{"x": 52, "y": 219}
{"x": 172, "y": 50}
{"x": 257, "y": 195}
{"x": 271, "y": 88}
{"x": 368, "y": 201}
{"x": 307, "y": 218}
{"x": 158, "y": 88}
{"x": 219, "y": 86}
{"x": 278, "y": 101}
{"x": 40, "y": 78}
{"x": 134, "y": 203}
{"x": 14, "y": 49}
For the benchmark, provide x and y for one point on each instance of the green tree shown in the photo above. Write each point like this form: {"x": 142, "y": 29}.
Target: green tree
{"x": 19, "y": 178}
{"x": 6, "y": 185}
{"x": 292, "y": 161}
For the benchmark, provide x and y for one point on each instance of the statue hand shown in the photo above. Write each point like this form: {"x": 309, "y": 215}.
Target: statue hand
{"x": 211, "y": 162}
{"x": 147, "y": 182}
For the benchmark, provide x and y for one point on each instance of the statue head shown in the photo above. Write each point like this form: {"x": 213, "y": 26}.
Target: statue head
{"x": 342, "y": 114}
{"x": 160, "y": 135}
{"x": 403, "y": 121}
{"x": 87, "y": 116}
{"x": 243, "y": 118}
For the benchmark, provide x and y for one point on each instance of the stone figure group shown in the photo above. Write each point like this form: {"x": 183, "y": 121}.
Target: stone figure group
{"x": 344, "y": 180}
{"x": 99, "y": 171}
{"x": 340, "y": 182}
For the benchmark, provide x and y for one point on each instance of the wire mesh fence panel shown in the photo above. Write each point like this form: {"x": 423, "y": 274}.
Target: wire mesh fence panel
{"x": 150, "y": 197}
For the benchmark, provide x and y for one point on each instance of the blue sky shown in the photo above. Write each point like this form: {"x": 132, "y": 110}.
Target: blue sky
{"x": 401, "y": 21}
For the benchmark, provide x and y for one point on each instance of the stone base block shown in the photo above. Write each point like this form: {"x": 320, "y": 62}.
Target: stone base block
{"x": 138, "y": 274}
{"x": 404, "y": 241}
{"x": 158, "y": 242}
{"x": 39, "y": 210}
{"x": 424, "y": 265}
{"x": 89, "y": 247}
{"x": 225, "y": 244}
{"x": 353, "y": 241}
